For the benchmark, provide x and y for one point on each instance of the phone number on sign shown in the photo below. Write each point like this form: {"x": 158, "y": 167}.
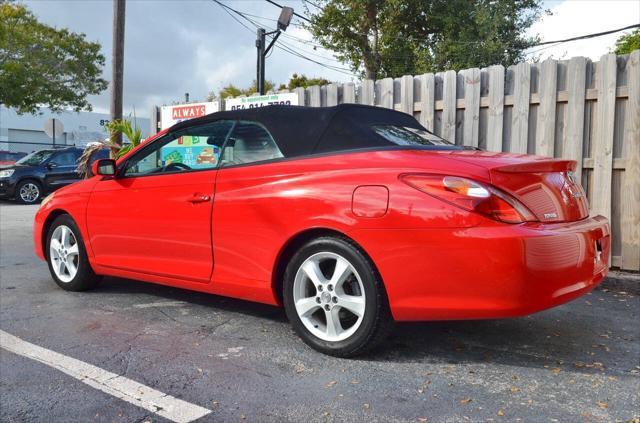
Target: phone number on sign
{"x": 256, "y": 105}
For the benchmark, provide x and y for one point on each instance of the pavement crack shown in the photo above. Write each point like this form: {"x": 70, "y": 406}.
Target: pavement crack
{"x": 168, "y": 316}
{"x": 144, "y": 418}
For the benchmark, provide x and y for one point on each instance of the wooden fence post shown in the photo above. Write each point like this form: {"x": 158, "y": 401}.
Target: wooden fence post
{"x": 496, "y": 108}
{"x": 630, "y": 194}
{"x": 603, "y": 142}
{"x": 546, "y": 119}
{"x": 314, "y": 96}
{"x": 384, "y": 88}
{"x": 520, "y": 115}
{"x": 427, "y": 100}
{"x": 471, "y": 106}
{"x": 300, "y": 91}
{"x": 406, "y": 94}
{"x": 349, "y": 93}
{"x": 576, "y": 84}
{"x": 332, "y": 95}
{"x": 367, "y": 92}
{"x": 449, "y": 110}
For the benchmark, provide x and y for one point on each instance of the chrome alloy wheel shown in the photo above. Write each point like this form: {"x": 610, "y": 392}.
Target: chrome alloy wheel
{"x": 29, "y": 192}
{"x": 64, "y": 253}
{"x": 329, "y": 296}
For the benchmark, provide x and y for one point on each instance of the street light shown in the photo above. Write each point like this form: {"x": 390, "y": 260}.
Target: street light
{"x": 286, "y": 14}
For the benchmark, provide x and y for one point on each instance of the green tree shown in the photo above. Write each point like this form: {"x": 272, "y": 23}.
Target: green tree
{"x": 231, "y": 91}
{"x": 44, "y": 66}
{"x": 389, "y": 38}
{"x": 627, "y": 43}
{"x": 303, "y": 81}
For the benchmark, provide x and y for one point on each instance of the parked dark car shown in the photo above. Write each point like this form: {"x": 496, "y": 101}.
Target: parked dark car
{"x": 41, "y": 172}
{"x": 10, "y": 157}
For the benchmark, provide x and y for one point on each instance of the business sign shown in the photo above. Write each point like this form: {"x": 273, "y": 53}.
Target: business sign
{"x": 170, "y": 115}
{"x": 192, "y": 151}
{"x": 241, "y": 103}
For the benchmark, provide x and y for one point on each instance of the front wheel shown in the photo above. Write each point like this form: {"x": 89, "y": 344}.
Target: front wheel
{"x": 67, "y": 257}
{"x": 28, "y": 192}
{"x": 335, "y": 299}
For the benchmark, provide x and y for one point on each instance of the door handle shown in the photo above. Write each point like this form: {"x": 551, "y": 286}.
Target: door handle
{"x": 199, "y": 198}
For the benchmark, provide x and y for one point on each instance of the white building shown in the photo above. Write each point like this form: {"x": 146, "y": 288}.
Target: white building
{"x": 25, "y": 133}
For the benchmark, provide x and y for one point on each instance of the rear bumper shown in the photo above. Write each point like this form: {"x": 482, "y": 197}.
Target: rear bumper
{"x": 487, "y": 272}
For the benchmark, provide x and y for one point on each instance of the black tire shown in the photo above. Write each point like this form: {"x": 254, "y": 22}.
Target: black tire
{"x": 376, "y": 320}
{"x": 85, "y": 278}
{"x": 29, "y": 185}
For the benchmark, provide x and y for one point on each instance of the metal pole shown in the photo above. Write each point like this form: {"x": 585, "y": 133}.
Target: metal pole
{"x": 117, "y": 69}
{"x": 260, "y": 42}
{"x": 53, "y": 121}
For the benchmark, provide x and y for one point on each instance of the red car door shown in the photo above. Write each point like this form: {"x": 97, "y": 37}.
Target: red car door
{"x": 155, "y": 216}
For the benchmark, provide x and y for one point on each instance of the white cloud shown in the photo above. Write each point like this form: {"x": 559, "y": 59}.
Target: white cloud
{"x": 174, "y": 47}
{"x": 572, "y": 18}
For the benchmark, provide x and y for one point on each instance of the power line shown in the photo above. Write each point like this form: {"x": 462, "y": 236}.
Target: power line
{"x": 296, "y": 14}
{"x": 285, "y": 48}
{"x": 332, "y": 59}
{"x": 584, "y": 37}
{"x": 543, "y": 48}
{"x": 334, "y": 68}
{"x": 580, "y": 37}
{"x": 291, "y": 49}
{"x": 312, "y": 4}
{"x": 225, "y": 7}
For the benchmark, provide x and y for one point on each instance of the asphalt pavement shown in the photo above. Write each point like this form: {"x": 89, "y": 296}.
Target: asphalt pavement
{"x": 579, "y": 362}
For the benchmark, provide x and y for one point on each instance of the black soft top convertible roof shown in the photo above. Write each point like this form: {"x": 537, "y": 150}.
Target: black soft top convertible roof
{"x": 300, "y": 130}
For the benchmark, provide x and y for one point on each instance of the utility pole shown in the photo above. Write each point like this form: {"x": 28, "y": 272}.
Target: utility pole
{"x": 260, "y": 45}
{"x": 283, "y": 23}
{"x": 117, "y": 65}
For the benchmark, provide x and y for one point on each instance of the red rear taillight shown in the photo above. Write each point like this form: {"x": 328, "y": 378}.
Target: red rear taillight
{"x": 471, "y": 195}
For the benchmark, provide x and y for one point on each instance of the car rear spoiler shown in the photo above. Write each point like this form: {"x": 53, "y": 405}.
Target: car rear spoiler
{"x": 547, "y": 165}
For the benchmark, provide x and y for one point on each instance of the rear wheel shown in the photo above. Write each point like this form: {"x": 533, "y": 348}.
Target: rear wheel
{"x": 28, "y": 192}
{"x": 335, "y": 299}
{"x": 67, "y": 257}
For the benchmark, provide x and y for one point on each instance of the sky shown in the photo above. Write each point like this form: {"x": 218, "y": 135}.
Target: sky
{"x": 174, "y": 47}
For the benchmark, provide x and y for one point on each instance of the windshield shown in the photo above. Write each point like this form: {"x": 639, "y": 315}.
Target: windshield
{"x": 403, "y": 135}
{"x": 35, "y": 158}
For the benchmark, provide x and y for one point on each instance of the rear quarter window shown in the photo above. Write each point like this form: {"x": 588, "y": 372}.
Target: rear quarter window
{"x": 404, "y": 135}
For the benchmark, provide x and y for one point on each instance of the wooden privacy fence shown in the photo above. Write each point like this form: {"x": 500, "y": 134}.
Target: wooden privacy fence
{"x": 575, "y": 109}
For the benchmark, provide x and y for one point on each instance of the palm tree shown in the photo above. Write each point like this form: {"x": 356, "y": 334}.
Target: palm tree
{"x": 124, "y": 127}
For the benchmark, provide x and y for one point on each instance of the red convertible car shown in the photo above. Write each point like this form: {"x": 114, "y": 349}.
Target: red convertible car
{"x": 351, "y": 217}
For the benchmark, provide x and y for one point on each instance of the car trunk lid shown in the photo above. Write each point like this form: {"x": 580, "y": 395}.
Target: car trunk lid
{"x": 546, "y": 186}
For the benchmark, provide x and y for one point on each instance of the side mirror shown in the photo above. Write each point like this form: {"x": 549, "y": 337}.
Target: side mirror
{"x": 104, "y": 167}
{"x": 51, "y": 165}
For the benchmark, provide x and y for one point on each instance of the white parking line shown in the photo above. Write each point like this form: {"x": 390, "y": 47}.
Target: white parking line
{"x": 161, "y": 304}
{"x": 121, "y": 387}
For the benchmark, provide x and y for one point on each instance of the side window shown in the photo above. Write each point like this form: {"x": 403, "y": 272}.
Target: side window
{"x": 249, "y": 142}
{"x": 67, "y": 158}
{"x": 191, "y": 149}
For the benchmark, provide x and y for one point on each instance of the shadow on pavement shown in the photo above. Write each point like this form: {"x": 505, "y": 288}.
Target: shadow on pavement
{"x": 549, "y": 339}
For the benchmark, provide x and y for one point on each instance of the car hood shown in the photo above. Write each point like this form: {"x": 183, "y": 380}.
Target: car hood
{"x": 82, "y": 186}
{"x": 16, "y": 166}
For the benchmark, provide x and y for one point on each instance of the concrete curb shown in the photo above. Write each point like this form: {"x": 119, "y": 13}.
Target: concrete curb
{"x": 622, "y": 281}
